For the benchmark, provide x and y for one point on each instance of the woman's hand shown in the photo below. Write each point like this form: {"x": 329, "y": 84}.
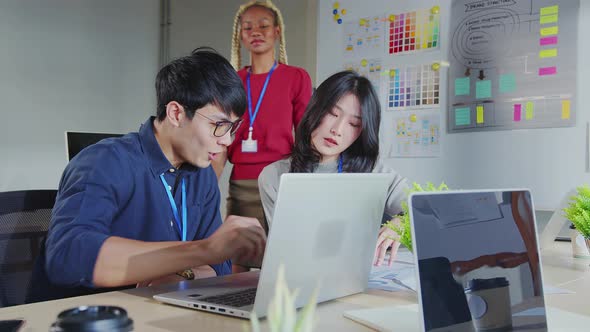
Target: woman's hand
{"x": 387, "y": 238}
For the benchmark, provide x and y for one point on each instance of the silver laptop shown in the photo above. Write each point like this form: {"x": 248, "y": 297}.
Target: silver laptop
{"x": 478, "y": 261}
{"x": 324, "y": 232}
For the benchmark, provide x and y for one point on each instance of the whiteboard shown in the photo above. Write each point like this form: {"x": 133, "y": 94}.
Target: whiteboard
{"x": 513, "y": 64}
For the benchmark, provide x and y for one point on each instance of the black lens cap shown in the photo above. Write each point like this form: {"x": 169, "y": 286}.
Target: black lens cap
{"x": 93, "y": 319}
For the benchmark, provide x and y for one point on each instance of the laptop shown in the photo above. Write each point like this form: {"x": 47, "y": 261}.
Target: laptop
{"x": 478, "y": 261}
{"x": 324, "y": 231}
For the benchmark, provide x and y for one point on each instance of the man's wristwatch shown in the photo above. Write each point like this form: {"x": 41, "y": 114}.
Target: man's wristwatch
{"x": 187, "y": 274}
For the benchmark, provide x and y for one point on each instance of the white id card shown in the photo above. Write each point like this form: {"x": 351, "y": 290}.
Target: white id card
{"x": 249, "y": 145}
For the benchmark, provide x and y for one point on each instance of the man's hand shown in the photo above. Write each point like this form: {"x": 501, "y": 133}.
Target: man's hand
{"x": 387, "y": 238}
{"x": 238, "y": 238}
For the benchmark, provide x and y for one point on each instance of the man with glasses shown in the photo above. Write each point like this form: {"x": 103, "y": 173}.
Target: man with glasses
{"x": 144, "y": 208}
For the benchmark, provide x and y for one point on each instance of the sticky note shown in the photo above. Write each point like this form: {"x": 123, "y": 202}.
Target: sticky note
{"x": 548, "y": 41}
{"x": 507, "y": 83}
{"x": 479, "y": 113}
{"x": 547, "y": 71}
{"x": 462, "y": 86}
{"x": 549, "y": 10}
{"x": 483, "y": 89}
{"x": 462, "y": 116}
{"x": 529, "y": 109}
{"x": 546, "y": 19}
{"x": 565, "y": 109}
{"x": 548, "y": 53}
{"x": 551, "y": 31}
{"x": 517, "y": 112}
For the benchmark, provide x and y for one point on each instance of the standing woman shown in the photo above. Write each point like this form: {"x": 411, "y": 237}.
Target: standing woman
{"x": 277, "y": 97}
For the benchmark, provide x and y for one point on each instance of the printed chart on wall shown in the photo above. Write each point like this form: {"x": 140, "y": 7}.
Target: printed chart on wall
{"x": 413, "y": 87}
{"x": 513, "y": 64}
{"x": 417, "y": 134}
{"x": 414, "y": 31}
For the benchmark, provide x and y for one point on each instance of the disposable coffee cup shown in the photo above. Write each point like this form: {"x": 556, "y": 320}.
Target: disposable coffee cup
{"x": 93, "y": 319}
{"x": 489, "y": 304}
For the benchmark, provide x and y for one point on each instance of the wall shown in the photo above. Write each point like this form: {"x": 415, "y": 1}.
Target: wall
{"x": 84, "y": 65}
{"x": 548, "y": 161}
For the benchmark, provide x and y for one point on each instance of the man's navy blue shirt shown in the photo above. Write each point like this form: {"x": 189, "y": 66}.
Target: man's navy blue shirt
{"x": 113, "y": 188}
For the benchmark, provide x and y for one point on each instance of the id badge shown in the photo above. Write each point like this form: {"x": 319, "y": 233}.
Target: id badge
{"x": 249, "y": 145}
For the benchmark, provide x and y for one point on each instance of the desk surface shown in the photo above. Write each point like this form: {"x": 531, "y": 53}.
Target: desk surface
{"x": 559, "y": 270}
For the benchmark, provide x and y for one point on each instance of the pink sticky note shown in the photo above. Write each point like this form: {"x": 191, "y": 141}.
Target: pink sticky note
{"x": 548, "y": 40}
{"x": 547, "y": 71}
{"x": 517, "y": 112}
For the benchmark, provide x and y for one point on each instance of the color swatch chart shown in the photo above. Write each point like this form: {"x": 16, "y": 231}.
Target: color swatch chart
{"x": 413, "y": 87}
{"x": 414, "y": 31}
{"x": 416, "y": 135}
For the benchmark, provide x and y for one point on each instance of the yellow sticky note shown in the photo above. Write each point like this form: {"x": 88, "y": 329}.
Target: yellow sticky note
{"x": 479, "y": 109}
{"x": 550, "y": 10}
{"x": 529, "y": 109}
{"x": 565, "y": 109}
{"x": 548, "y": 19}
{"x": 550, "y": 31}
{"x": 549, "y": 53}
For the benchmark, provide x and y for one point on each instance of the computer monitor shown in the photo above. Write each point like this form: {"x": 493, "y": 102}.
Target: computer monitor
{"x": 77, "y": 141}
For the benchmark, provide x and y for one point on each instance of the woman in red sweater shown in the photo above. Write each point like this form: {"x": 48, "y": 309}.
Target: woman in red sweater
{"x": 277, "y": 97}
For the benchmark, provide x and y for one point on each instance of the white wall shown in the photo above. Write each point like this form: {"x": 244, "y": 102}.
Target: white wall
{"x": 548, "y": 161}
{"x": 85, "y": 65}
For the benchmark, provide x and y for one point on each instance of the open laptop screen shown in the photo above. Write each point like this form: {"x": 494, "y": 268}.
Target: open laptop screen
{"x": 478, "y": 261}
{"x": 77, "y": 141}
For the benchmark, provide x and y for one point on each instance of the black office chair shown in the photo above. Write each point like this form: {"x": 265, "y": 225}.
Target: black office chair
{"x": 24, "y": 221}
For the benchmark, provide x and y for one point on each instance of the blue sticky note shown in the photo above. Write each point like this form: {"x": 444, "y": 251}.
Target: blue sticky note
{"x": 462, "y": 86}
{"x": 507, "y": 83}
{"x": 462, "y": 116}
{"x": 483, "y": 89}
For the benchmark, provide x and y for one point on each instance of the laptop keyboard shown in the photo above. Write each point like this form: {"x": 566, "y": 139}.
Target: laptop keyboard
{"x": 237, "y": 299}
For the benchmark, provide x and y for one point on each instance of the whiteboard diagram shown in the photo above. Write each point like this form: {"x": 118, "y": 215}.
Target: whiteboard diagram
{"x": 513, "y": 64}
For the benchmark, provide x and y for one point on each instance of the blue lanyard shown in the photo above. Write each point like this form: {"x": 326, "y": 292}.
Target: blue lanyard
{"x": 340, "y": 164}
{"x": 253, "y": 116}
{"x": 181, "y": 228}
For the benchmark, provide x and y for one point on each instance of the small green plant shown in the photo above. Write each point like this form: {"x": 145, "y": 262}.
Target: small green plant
{"x": 578, "y": 211}
{"x": 282, "y": 313}
{"x": 403, "y": 229}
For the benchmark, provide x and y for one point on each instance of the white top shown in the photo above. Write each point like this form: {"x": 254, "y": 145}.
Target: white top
{"x": 269, "y": 179}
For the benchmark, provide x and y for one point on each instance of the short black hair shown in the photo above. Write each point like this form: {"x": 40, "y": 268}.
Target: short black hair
{"x": 362, "y": 155}
{"x": 201, "y": 78}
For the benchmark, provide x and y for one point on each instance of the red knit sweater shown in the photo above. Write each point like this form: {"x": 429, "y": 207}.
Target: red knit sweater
{"x": 282, "y": 107}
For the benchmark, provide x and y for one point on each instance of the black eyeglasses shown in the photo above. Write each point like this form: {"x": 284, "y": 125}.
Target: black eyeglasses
{"x": 222, "y": 127}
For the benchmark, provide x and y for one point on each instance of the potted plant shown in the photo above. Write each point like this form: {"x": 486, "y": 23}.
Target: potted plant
{"x": 404, "y": 229}
{"x": 282, "y": 314}
{"x": 578, "y": 212}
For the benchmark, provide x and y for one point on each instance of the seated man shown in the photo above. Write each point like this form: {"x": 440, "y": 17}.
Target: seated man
{"x": 144, "y": 208}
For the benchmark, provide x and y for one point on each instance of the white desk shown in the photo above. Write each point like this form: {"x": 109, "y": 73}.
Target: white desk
{"x": 559, "y": 270}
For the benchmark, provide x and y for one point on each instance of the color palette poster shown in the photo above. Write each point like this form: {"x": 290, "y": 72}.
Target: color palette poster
{"x": 413, "y": 87}
{"x": 416, "y": 135}
{"x": 369, "y": 68}
{"x": 414, "y": 31}
{"x": 363, "y": 37}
